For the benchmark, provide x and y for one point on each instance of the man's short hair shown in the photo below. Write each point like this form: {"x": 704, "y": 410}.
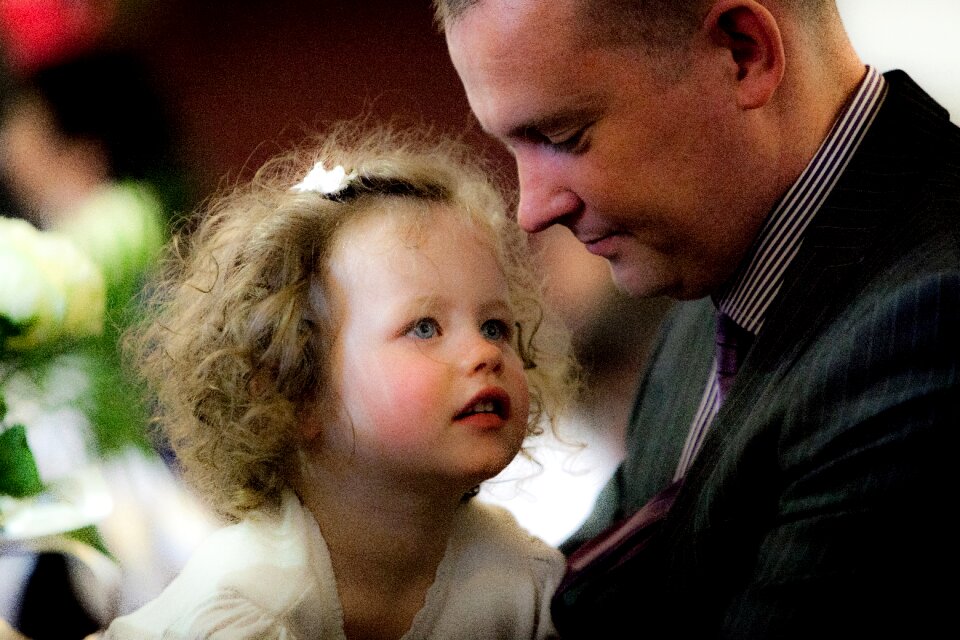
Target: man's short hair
{"x": 654, "y": 24}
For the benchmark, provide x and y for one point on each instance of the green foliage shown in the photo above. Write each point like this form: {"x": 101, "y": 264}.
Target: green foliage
{"x": 90, "y": 536}
{"x": 19, "y": 476}
{"x": 114, "y": 405}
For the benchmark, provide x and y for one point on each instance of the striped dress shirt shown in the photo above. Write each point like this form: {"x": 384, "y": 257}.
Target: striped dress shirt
{"x": 756, "y": 283}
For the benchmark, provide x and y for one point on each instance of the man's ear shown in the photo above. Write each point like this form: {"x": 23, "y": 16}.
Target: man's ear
{"x": 752, "y": 36}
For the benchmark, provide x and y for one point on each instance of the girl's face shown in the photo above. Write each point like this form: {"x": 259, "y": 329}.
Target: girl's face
{"x": 432, "y": 388}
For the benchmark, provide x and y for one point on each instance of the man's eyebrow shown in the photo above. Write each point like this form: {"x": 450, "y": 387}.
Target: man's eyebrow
{"x": 553, "y": 122}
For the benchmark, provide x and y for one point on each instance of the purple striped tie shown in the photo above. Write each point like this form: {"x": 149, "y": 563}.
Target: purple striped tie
{"x": 732, "y": 344}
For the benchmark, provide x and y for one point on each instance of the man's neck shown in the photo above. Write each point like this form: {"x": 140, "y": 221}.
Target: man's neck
{"x": 823, "y": 72}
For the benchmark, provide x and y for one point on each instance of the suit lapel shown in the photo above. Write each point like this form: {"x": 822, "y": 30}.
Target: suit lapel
{"x": 667, "y": 401}
{"x": 840, "y": 249}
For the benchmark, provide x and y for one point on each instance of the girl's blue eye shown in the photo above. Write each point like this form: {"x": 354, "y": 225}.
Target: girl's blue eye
{"x": 425, "y": 328}
{"x": 495, "y": 330}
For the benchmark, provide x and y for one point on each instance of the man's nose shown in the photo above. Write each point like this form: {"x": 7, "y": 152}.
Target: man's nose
{"x": 544, "y": 198}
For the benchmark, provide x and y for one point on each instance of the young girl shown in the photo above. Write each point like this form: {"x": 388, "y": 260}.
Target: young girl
{"x": 340, "y": 359}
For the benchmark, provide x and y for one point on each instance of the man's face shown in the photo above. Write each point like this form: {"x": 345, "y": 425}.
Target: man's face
{"x": 653, "y": 171}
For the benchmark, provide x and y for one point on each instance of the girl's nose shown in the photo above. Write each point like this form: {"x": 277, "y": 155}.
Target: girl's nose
{"x": 483, "y": 356}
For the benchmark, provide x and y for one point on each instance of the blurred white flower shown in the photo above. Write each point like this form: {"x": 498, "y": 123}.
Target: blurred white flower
{"x": 120, "y": 228}
{"x": 48, "y": 288}
{"x": 323, "y": 181}
{"x": 27, "y": 295}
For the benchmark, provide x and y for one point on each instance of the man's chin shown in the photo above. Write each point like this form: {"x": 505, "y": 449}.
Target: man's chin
{"x": 653, "y": 274}
{"x": 640, "y": 282}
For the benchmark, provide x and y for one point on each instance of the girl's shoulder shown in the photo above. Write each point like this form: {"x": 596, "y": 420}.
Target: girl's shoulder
{"x": 492, "y": 533}
{"x": 495, "y": 581}
{"x": 244, "y": 580}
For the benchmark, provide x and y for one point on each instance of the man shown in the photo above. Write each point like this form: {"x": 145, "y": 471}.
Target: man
{"x": 739, "y": 156}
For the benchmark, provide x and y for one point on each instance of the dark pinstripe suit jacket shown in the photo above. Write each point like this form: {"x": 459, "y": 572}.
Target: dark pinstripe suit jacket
{"x": 820, "y": 501}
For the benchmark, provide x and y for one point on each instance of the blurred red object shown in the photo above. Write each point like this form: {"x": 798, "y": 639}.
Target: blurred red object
{"x": 38, "y": 33}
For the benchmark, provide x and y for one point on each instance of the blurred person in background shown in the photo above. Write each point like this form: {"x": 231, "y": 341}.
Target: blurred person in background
{"x": 88, "y": 151}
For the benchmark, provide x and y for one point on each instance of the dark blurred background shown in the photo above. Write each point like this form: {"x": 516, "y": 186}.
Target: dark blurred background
{"x": 244, "y": 78}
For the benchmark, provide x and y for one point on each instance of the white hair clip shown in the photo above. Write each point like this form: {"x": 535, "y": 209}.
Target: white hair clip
{"x": 328, "y": 183}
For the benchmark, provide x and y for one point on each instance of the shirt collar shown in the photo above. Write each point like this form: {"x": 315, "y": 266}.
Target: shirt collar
{"x": 757, "y": 281}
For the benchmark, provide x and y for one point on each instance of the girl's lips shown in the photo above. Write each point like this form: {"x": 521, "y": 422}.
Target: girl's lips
{"x": 486, "y": 410}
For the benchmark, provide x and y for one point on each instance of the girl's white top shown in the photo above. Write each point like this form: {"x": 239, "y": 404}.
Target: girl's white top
{"x": 270, "y": 576}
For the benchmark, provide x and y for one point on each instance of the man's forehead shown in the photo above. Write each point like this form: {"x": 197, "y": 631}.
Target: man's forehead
{"x": 511, "y": 9}
{"x": 534, "y": 23}
{"x": 515, "y": 77}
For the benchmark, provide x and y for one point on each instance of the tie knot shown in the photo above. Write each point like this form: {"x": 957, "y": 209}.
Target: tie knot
{"x": 733, "y": 341}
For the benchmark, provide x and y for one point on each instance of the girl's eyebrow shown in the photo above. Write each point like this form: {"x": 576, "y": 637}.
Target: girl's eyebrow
{"x": 497, "y": 306}
{"x": 424, "y": 302}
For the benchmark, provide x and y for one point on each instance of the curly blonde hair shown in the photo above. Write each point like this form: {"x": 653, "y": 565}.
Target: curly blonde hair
{"x": 236, "y": 332}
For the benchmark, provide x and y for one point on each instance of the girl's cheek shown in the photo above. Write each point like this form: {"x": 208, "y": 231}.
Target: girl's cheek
{"x": 406, "y": 404}
{"x": 522, "y": 410}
